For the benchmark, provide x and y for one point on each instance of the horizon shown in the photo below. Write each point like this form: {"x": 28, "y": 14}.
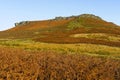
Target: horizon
{"x": 12, "y": 12}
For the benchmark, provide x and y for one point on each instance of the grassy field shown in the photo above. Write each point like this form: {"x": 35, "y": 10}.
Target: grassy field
{"x": 90, "y": 49}
{"x": 98, "y": 36}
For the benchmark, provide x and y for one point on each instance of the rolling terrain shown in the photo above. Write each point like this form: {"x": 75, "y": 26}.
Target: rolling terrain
{"x": 63, "y": 30}
{"x": 83, "y": 47}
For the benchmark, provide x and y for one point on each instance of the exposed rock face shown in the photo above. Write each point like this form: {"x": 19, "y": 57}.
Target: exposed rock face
{"x": 90, "y": 16}
{"x": 21, "y": 23}
{"x": 60, "y": 18}
{"x": 79, "y": 16}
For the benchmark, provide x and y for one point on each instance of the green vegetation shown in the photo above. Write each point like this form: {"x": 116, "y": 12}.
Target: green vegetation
{"x": 74, "y": 24}
{"x": 89, "y": 49}
{"x": 89, "y": 21}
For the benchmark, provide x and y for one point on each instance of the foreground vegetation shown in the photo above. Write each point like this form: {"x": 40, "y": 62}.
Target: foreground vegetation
{"x": 29, "y": 60}
{"x": 17, "y": 64}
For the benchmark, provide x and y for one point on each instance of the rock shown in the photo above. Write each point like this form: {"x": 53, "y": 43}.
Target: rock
{"x": 60, "y": 18}
{"x": 21, "y": 23}
{"x": 90, "y": 16}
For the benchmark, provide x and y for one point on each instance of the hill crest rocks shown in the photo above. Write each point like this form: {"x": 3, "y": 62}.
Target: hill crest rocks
{"x": 89, "y": 16}
{"x": 63, "y": 18}
{"x": 21, "y": 23}
{"x": 79, "y": 16}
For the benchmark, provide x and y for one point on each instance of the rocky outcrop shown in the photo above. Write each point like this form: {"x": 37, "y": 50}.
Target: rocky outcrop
{"x": 90, "y": 16}
{"x": 79, "y": 16}
{"x": 21, "y": 23}
{"x": 60, "y": 18}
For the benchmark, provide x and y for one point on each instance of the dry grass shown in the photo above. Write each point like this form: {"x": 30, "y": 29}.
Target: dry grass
{"x": 98, "y": 36}
{"x": 17, "y": 64}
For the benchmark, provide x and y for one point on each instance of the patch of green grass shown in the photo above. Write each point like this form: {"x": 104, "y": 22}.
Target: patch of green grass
{"x": 90, "y": 49}
{"x": 74, "y": 25}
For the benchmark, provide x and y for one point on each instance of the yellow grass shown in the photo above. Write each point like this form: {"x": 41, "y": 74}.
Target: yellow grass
{"x": 91, "y": 49}
{"x": 98, "y": 36}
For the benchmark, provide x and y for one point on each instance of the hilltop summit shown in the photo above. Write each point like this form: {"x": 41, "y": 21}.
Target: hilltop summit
{"x": 90, "y": 16}
{"x": 79, "y": 16}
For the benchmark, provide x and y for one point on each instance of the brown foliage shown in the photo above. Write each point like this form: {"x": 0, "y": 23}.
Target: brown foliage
{"x": 64, "y": 37}
{"x": 18, "y": 64}
{"x": 35, "y": 25}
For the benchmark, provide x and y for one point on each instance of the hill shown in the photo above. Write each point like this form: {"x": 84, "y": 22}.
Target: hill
{"x": 85, "y": 28}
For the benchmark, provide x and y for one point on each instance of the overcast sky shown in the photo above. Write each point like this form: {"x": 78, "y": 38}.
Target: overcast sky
{"x": 12, "y": 11}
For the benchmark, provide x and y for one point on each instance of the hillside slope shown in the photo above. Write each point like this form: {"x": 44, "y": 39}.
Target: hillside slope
{"x": 85, "y": 28}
